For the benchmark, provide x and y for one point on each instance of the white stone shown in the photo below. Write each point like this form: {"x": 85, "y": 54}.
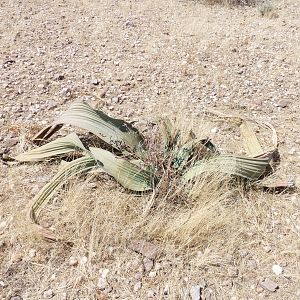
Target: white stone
{"x": 73, "y": 261}
{"x": 195, "y": 292}
{"x": 32, "y": 253}
{"x": 83, "y": 260}
{"x": 277, "y": 269}
{"x": 152, "y": 274}
{"x": 102, "y": 283}
{"x": 103, "y": 272}
{"x": 48, "y": 294}
{"x": 137, "y": 286}
{"x": 214, "y": 130}
{"x": 53, "y": 277}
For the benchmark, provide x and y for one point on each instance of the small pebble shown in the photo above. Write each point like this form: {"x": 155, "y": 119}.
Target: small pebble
{"x": 48, "y": 294}
{"x": 2, "y": 284}
{"x": 63, "y": 296}
{"x": 152, "y": 274}
{"x": 195, "y": 292}
{"x": 252, "y": 264}
{"x": 151, "y": 293}
{"x": 233, "y": 272}
{"x": 83, "y": 260}
{"x": 32, "y": 253}
{"x": 277, "y": 269}
{"x": 95, "y": 81}
{"x": 73, "y": 261}
{"x": 59, "y": 77}
{"x": 148, "y": 264}
{"x": 103, "y": 272}
{"x": 166, "y": 290}
{"x": 16, "y": 297}
{"x": 214, "y": 130}
{"x": 137, "y": 286}
{"x": 102, "y": 283}
{"x": 283, "y": 103}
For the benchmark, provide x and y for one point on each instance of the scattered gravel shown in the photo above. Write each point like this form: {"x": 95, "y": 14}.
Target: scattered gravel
{"x": 134, "y": 60}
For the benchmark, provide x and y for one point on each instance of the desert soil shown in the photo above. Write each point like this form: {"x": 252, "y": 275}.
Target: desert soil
{"x": 140, "y": 60}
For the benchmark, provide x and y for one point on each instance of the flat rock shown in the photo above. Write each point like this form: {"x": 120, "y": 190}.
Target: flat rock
{"x": 16, "y": 297}
{"x": 10, "y": 142}
{"x": 145, "y": 248}
{"x": 283, "y": 103}
{"x": 269, "y": 285}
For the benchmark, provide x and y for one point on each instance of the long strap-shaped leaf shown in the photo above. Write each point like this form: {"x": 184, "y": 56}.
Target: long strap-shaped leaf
{"x": 250, "y": 141}
{"x": 129, "y": 175}
{"x": 246, "y": 167}
{"x": 115, "y": 132}
{"x": 60, "y": 146}
{"x": 77, "y": 166}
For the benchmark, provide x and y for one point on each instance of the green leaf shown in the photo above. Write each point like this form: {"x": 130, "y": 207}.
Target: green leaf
{"x": 184, "y": 153}
{"x": 196, "y": 148}
{"x": 246, "y": 167}
{"x": 170, "y": 136}
{"x": 77, "y": 166}
{"x": 129, "y": 175}
{"x": 60, "y": 146}
{"x": 114, "y": 132}
{"x": 166, "y": 133}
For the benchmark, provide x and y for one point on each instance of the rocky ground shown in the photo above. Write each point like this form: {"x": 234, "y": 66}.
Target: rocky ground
{"x": 139, "y": 60}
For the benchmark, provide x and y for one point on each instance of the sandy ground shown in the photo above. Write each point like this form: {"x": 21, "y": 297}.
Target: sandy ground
{"x": 144, "y": 59}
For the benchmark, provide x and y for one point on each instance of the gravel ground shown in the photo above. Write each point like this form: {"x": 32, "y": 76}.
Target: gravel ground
{"x": 139, "y": 60}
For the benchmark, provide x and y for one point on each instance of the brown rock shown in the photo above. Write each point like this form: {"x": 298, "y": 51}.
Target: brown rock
{"x": 11, "y": 142}
{"x": 99, "y": 295}
{"x": 145, "y": 248}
